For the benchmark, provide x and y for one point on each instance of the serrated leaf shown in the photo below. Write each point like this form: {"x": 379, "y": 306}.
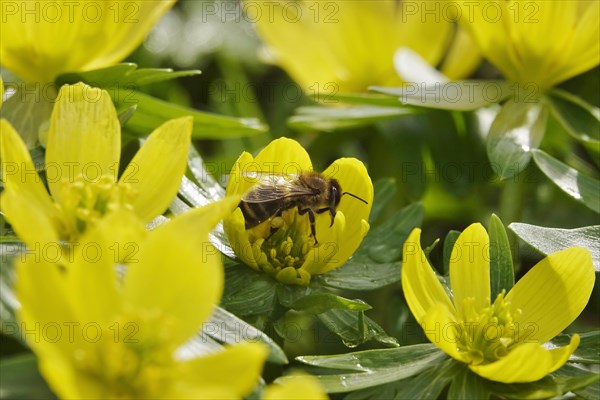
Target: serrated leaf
{"x": 580, "y": 119}
{"x": 588, "y": 351}
{"x": 22, "y": 380}
{"x": 354, "y": 328}
{"x": 502, "y": 275}
{"x": 458, "y": 95}
{"x": 517, "y": 129}
{"x": 550, "y": 240}
{"x": 227, "y": 328}
{"x": 385, "y": 190}
{"x": 583, "y": 188}
{"x": 384, "y": 243}
{"x": 329, "y": 119}
{"x": 361, "y": 276}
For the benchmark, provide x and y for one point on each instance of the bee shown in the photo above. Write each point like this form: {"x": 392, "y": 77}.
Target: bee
{"x": 311, "y": 192}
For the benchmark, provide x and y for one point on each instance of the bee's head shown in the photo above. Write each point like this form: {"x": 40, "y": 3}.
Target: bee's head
{"x": 335, "y": 194}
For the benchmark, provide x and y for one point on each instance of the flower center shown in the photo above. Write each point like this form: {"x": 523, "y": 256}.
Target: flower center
{"x": 282, "y": 243}
{"x": 487, "y": 335}
{"x": 83, "y": 202}
{"x": 122, "y": 365}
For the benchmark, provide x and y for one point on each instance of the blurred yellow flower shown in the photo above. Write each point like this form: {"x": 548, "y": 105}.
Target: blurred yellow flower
{"x": 349, "y": 45}
{"x": 501, "y": 341}
{"x": 81, "y": 168}
{"x": 42, "y": 39}
{"x": 295, "y": 387}
{"x": 100, "y": 335}
{"x": 284, "y": 247}
{"x": 536, "y": 41}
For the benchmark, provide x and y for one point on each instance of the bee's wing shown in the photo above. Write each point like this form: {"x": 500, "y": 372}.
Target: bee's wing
{"x": 274, "y": 187}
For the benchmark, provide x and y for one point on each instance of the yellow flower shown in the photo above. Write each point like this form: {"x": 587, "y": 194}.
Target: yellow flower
{"x": 501, "y": 341}
{"x": 82, "y": 163}
{"x": 349, "y": 45}
{"x": 283, "y": 247}
{"x": 295, "y": 387}
{"x": 536, "y": 42}
{"x": 100, "y": 335}
{"x": 42, "y": 39}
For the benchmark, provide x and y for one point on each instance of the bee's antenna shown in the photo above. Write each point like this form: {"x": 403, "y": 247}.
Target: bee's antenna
{"x": 355, "y": 196}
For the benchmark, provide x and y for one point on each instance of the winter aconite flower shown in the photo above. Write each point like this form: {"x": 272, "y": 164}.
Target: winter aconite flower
{"x": 123, "y": 324}
{"x": 349, "y": 45}
{"x": 536, "y": 42}
{"x": 283, "y": 245}
{"x": 500, "y": 339}
{"x": 82, "y": 163}
{"x": 295, "y": 387}
{"x": 42, "y": 39}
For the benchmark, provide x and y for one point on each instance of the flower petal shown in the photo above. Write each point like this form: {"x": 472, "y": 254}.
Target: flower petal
{"x": 553, "y": 293}
{"x": 237, "y": 369}
{"x": 295, "y": 387}
{"x": 68, "y": 37}
{"x": 92, "y": 279}
{"x": 561, "y": 355}
{"x": 443, "y": 330}
{"x": 84, "y": 137}
{"x": 156, "y": 170}
{"x": 179, "y": 274}
{"x": 18, "y": 172}
{"x": 27, "y": 218}
{"x": 421, "y": 287}
{"x": 528, "y": 362}
{"x": 470, "y": 268}
{"x": 235, "y": 229}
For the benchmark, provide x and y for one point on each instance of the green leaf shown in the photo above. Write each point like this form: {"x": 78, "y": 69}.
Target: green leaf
{"x": 580, "y": 119}
{"x": 449, "y": 241}
{"x": 227, "y": 328}
{"x": 28, "y": 110}
{"x": 125, "y": 74}
{"x": 9, "y": 249}
{"x": 329, "y": 119}
{"x": 372, "y": 99}
{"x": 458, "y": 95}
{"x": 126, "y": 115}
{"x": 384, "y": 243}
{"x": 502, "y": 275}
{"x": 22, "y": 380}
{"x": 385, "y": 190}
{"x": 517, "y": 129}
{"x": 375, "y": 367}
{"x": 550, "y": 240}
{"x": 361, "y": 276}
{"x": 152, "y": 112}
{"x": 317, "y": 303}
{"x": 588, "y": 351}
{"x": 412, "y": 358}
{"x": 354, "y": 328}
{"x": 468, "y": 386}
{"x": 567, "y": 379}
{"x": 584, "y": 189}
{"x": 248, "y": 292}
{"x": 430, "y": 383}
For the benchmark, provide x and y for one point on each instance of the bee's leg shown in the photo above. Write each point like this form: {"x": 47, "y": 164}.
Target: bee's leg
{"x": 331, "y": 212}
{"x": 311, "y": 218}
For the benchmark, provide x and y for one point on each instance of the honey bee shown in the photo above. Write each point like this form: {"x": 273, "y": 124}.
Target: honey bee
{"x": 311, "y": 192}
